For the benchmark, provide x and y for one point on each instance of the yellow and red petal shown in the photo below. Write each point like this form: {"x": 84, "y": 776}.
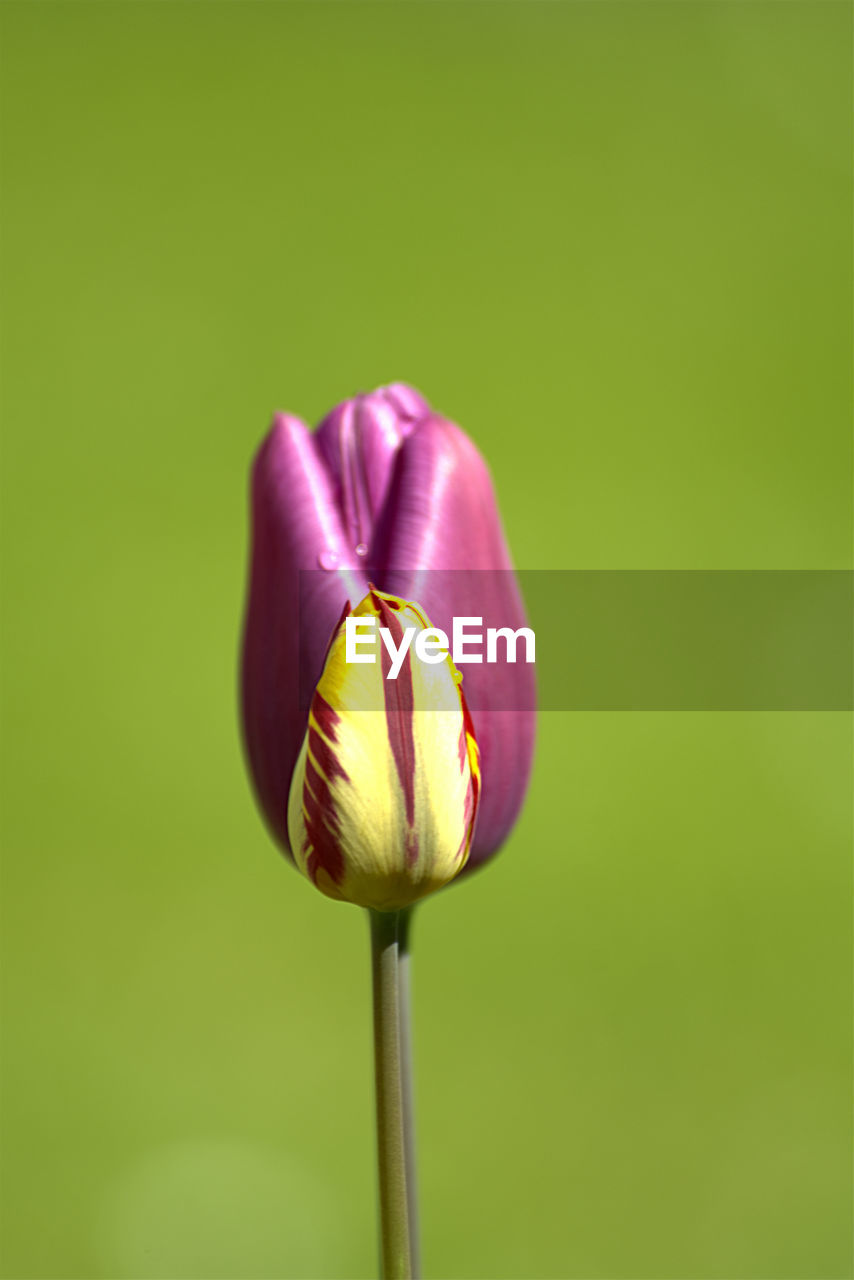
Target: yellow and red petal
{"x": 385, "y": 793}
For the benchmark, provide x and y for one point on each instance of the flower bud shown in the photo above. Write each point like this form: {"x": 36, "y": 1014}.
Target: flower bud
{"x": 385, "y": 791}
{"x": 384, "y": 488}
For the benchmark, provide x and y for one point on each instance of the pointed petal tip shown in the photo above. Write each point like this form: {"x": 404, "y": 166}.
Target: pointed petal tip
{"x": 284, "y": 429}
{"x": 286, "y": 424}
{"x": 451, "y": 436}
{"x": 405, "y": 399}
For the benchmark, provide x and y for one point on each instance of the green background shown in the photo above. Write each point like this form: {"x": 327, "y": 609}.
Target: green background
{"x": 613, "y": 241}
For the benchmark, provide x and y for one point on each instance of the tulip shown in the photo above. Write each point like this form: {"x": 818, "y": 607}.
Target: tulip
{"x": 387, "y": 492}
{"x": 382, "y": 806}
{"x": 381, "y": 809}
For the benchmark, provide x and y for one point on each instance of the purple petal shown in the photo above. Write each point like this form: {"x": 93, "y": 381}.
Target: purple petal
{"x": 358, "y": 442}
{"x": 295, "y": 523}
{"x": 441, "y": 514}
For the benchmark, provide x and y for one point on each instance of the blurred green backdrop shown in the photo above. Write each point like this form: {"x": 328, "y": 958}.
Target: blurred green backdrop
{"x": 613, "y": 240}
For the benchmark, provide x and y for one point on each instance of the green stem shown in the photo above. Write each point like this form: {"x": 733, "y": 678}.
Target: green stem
{"x": 396, "y": 1248}
{"x": 407, "y": 1084}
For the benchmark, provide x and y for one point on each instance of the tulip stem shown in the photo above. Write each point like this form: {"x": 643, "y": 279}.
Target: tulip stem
{"x": 391, "y": 1064}
{"x": 407, "y": 1086}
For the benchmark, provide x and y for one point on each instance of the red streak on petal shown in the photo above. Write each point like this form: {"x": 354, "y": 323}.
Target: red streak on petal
{"x": 468, "y": 807}
{"x": 468, "y": 725}
{"x": 327, "y": 718}
{"x": 321, "y": 820}
{"x": 318, "y": 787}
{"x": 320, "y": 841}
{"x": 325, "y": 756}
{"x": 463, "y": 749}
{"x": 399, "y": 705}
{"x": 468, "y": 820}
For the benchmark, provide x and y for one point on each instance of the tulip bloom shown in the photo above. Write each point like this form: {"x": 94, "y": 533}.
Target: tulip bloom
{"x": 383, "y": 802}
{"x": 387, "y": 491}
{"x": 373, "y": 775}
